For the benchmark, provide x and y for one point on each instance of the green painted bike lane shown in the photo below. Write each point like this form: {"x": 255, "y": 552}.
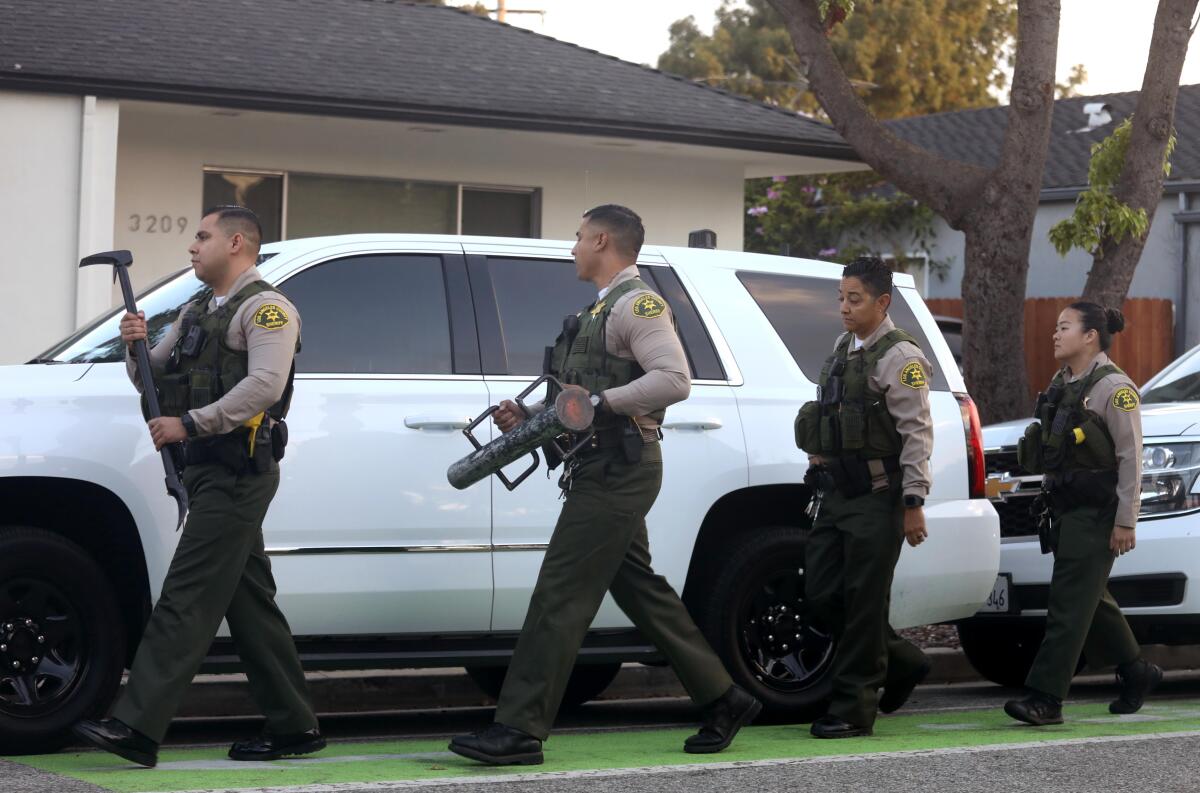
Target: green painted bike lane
{"x": 427, "y": 759}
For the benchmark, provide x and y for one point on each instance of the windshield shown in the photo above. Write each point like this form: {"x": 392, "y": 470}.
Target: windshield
{"x": 100, "y": 342}
{"x": 1179, "y": 382}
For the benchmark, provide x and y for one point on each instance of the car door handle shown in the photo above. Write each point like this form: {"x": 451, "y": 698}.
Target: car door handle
{"x": 704, "y": 424}
{"x": 436, "y": 422}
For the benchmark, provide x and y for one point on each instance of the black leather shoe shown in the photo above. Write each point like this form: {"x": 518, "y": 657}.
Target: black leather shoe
{"x": 499, "y": 745}
{"x": 273, "y": 747}
{"x": 1136, "y": 679}
{"x": 1037, "y": 709}
{"x": 722, "y": 719}
{"x": 833, "y": 727}
{"x": 114, "y": 735}
{"x": 896, "y": 694}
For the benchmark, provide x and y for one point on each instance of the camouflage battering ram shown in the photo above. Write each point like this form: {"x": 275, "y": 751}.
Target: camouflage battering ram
{"x": 572, "y": 411}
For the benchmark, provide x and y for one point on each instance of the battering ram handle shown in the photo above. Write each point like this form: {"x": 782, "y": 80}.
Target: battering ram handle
{"x": 572, "y": 411}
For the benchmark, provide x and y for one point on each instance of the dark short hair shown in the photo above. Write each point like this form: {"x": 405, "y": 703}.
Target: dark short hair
{"x": 875, "y": 275}
{"x": 1105, "y": 321}
{"x": 235, "y": 219}
{"x": 622, "y": 223}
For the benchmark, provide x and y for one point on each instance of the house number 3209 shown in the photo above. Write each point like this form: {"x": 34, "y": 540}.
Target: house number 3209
{"x": 158, "y": 224}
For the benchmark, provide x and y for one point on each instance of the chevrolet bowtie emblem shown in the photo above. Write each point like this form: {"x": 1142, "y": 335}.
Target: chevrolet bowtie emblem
{"x": 999, "y": 487}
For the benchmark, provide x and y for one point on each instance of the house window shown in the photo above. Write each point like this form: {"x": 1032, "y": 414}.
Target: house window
{"x": 496, "y": 212}
{"x": 259, "y": 191}
{"x": 916, "y": 265}
{"x": 320, "y": 205}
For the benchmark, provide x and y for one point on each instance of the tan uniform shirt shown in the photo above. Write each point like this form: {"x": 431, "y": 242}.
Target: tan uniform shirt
{"x": 907, "y": 399}
{"x": 1115, "y": 399}
{"x": 640, "y": 328}
{"x": 270, "y": 359}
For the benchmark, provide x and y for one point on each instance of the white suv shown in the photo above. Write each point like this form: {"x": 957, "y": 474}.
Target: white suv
{"x": 1151, "y": 584}
{"x": 379, "y": 561}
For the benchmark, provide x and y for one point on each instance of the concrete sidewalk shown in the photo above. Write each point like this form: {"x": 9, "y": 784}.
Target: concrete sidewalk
{"x": 364, "y": 691}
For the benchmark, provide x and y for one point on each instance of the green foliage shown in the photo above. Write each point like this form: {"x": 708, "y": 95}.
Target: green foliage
{"x": 837, "y": 217}
{"x": 1100, "y": 218}
{"x": 909, "y": 58}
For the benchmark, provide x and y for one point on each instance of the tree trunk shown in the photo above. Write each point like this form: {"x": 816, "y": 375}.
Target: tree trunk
{"x": 994, "y": 209}
{"x": 1141, "y": 181}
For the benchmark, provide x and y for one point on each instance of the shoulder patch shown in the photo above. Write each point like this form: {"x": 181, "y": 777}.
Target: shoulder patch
{"x": 913, "y": 375}
{"x": 1126, "y": 399}
{"x": 649, "y": 306}
{"x": 270, "y": 317}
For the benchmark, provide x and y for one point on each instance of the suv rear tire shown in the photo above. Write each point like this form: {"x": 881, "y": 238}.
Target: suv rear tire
{"x": 755, "y": 617}
{"x": 62, "y": 640}
{"x": 587, "y": 681}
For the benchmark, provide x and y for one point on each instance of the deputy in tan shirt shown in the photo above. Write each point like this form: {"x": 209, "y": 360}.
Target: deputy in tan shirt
{"x": 220, "y": 569}
{"x": 1087, "y": 440}
{"x": 600, "y": 543}
{"x": 869, "y": 437}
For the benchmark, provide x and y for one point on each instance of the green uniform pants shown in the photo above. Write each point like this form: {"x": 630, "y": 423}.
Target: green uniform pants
{"x": 219, "y": 570}
{"x": 850, "y": 559}
{"x": 600, "y": 545}
{"x": 1081, "y": 615}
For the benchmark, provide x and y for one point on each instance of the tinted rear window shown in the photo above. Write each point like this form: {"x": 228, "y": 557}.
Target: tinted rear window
{"x": 804, "y": 312}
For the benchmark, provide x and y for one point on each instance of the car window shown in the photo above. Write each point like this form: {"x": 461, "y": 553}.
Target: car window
{"x": 100, "y": 342}
{"x": 1179, "y": 382}
{"x": 804, "y": 312}
{"x": 533, "y": 296}
{"x": 381, "y": 314}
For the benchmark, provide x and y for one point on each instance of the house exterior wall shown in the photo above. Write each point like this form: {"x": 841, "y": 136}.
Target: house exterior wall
{"x": 73, "y": 185}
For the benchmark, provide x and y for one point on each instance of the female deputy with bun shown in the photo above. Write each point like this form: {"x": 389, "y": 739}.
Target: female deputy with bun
{"x": 1087, "y": 441}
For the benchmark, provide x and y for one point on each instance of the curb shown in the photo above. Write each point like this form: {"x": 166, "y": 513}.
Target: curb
{"x": 365, "y": 691}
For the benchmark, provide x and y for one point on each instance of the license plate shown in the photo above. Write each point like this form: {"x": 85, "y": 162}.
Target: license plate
{"x": 1000, "y": 600}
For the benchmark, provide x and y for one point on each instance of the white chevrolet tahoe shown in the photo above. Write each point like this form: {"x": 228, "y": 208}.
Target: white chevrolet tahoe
{"x": 379, "y": 561}
{"x": 1152, "y": 584}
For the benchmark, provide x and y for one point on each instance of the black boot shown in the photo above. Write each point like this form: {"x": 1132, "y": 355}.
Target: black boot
{"x": 895, "y": 694}
{"x": 833, "y": 727}
{"x": 1136, "y": 679}
{"x": 273, "y": 747}
{"x": 1037, "y": 709}
{"x": 722, "y": 719}
{"x": 114, "y": 735}
{"x": 499, "y": 745}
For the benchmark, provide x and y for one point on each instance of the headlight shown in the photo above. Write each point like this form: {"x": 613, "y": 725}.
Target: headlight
{"x": 1170, "y": 478}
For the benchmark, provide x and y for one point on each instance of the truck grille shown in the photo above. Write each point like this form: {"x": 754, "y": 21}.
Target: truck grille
{"x": 1013, "y": 508}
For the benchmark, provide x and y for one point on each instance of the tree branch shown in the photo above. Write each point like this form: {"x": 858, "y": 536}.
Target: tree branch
{"x": 949, "y": 187}
{"x": 1141, "y": 182}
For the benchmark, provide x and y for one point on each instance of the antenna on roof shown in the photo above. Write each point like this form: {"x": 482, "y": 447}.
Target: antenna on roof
{"x": 502, "y": 11}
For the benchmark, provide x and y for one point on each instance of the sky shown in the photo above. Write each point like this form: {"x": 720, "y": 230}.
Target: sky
{"x": 1109, "y": 37}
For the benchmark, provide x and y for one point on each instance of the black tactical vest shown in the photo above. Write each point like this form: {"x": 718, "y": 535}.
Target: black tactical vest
{"x": 580, "y": 354}
{"x": 1068, "y": 436}
{"x": 849, "y": 417}
{"x": 203, "y": 367}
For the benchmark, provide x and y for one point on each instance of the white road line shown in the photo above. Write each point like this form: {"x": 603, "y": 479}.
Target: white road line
{"x": 342, "y": 787}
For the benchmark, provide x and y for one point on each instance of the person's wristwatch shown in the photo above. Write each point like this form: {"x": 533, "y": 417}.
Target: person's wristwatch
{"x": 911, "y": 501}
{"x": 188, "y": 424}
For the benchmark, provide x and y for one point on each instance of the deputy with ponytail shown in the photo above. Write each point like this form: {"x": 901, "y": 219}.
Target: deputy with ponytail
{"x": 1087, "y": 441}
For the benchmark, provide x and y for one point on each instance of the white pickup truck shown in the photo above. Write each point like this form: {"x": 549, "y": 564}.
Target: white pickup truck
{"x": 379, "y": 562}
{"x": 1151, "y": 584}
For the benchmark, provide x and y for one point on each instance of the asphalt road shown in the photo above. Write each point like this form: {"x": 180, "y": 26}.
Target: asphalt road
{"x": 1147, "y": 763}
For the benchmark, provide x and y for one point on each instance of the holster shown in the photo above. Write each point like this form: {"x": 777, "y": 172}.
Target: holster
{"x": 1044, "y": 520}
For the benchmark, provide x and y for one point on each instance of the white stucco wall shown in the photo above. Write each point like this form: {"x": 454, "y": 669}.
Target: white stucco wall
{"x": 39, "y": 214}
{"x": 163, "y": 151}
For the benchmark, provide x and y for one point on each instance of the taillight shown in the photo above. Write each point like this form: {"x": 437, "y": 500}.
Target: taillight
{"x": 976, "y": 469}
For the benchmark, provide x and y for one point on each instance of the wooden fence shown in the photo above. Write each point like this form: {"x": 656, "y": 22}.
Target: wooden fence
{"x": 1142, "y": 349}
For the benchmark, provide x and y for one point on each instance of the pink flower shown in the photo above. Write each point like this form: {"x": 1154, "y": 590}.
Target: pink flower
{"x": 757, "y": 211}
{"x": 808, "y": 189}
{"x": 778, "y": 178}
{"x": 827, "y": 252}
{"x": 773, "y": 195}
